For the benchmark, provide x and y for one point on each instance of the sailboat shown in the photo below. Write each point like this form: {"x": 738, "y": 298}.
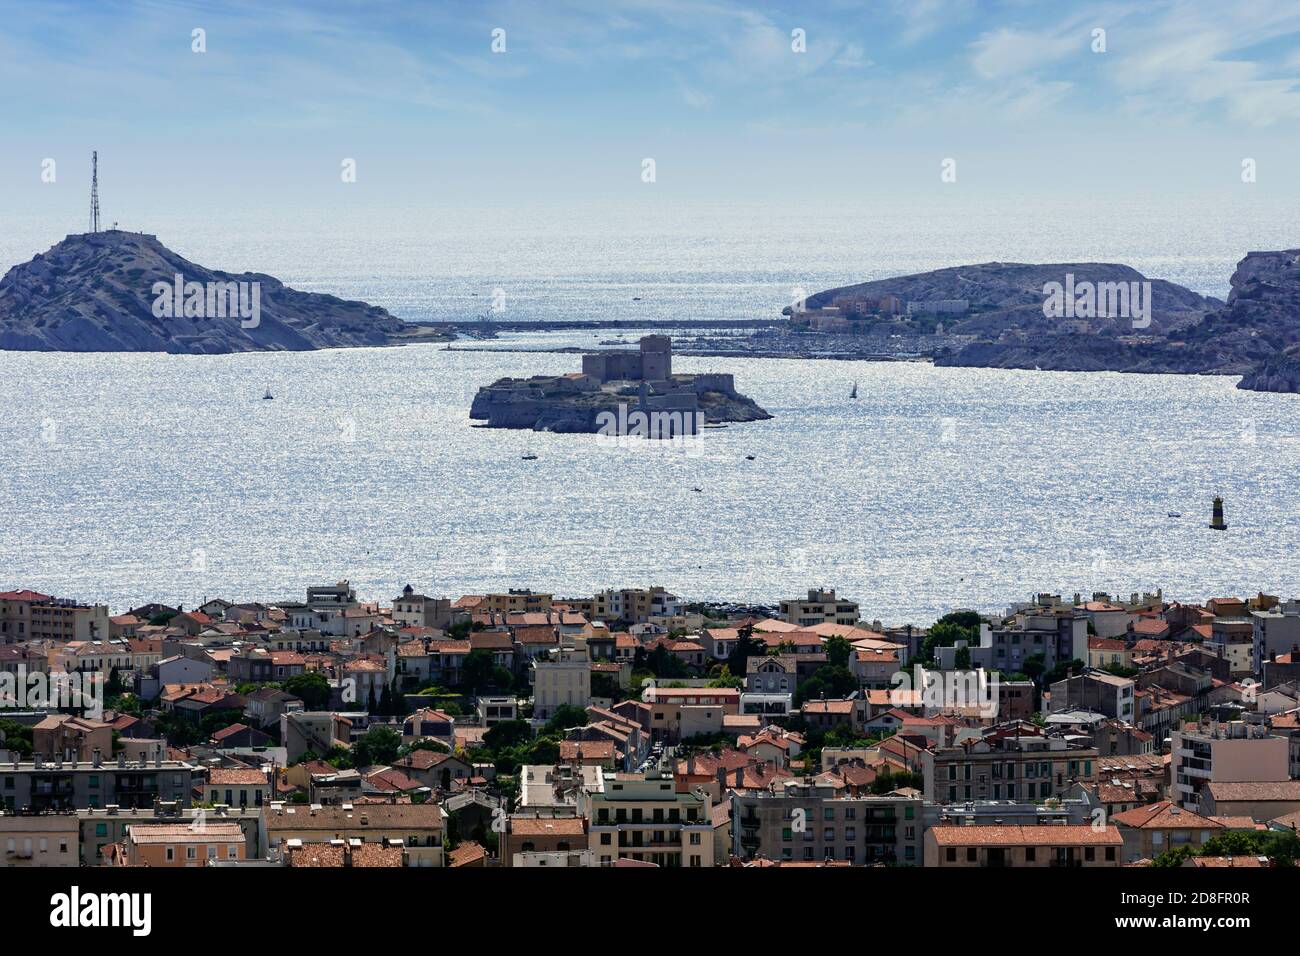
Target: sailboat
{"x": 854, "y": 393}
{"x": 267, "y": 396}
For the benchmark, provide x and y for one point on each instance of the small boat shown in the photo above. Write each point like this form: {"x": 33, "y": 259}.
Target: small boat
{"x": 1175, "y": 514}
{"x": 854, "y": 393}
{"x": 528, "y": 457}
{"x": 267, "y": 396}
{"x": 749, "y": 458}
{"x": 716, "y": 425}
{"x": 697, "y": 489}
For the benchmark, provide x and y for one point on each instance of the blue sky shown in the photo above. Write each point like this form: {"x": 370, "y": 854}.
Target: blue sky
{"x": 886, "y": 90}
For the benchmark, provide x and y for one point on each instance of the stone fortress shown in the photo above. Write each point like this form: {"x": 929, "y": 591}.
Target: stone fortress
{"x": 640, "y": 380}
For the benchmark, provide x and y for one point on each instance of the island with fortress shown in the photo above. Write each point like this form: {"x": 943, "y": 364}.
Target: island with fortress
{"x": 614, "y": 383}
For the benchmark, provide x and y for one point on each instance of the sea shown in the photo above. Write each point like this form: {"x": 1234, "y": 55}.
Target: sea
{"x": 128, "y": 478}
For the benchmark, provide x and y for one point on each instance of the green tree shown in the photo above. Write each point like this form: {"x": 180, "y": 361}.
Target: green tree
{"x": 480, "y": 673}
{"x": 747, "y": 646}
{"x": 312, "y": 688}
{"x": 838, "y": 650}
{"x": 507, "y": 734}
{"x": 724, "y": 678}
{"x": 565, "y": 716}
{"x": 379, "y": 745}
{"x": 827, "y": 681}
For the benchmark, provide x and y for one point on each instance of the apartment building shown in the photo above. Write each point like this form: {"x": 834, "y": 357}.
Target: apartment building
{"x": 1150, "y": 830}
{"x": 515, "y": 601}
{"x": 176, "y": 845}
{"x": 32, "y": 616}
{"x": 1223, "y": 752}
{"x": 1058, "y": 634}
{"x": 107, "y": 827}
{"x": 1274, "y": 631}
{"x": 642, "y": 816}
{"x": 61, "y": 784}
{"x": 802, "y": 822}
{"x": 71, "y": 737}
{"x": 821, "y": 606}
{"x": 1047, "y": 845}
{"x": 562, "y": 678}
{"x": 38, "y": 839}
{"x": 418, "y": 827}
{"x": 529, "y": 838}
{"x": 1095, "y": 691}
{"x": 680, "y": 712}
{"x": 237, "y": 787}
{"x": 1233, "y": 639}
{"x": 417, "y": 610}
{"x": 1006, "y": 764}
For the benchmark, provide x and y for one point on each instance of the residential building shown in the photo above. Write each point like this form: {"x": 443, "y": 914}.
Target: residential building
{"x": 820, "y": 607}
{"x": 982, "y": 845}
{"x": 1150, "y": 830}
{"x": 418, "y": 826}
{"x": 642, "y": 816}
{"x": 183, "y": 845}
{"x": 39, "y": 839}
{"x": 1233, "y": 752}
{"x": 1008, "y": 763}
{"x": 798, "y": 821}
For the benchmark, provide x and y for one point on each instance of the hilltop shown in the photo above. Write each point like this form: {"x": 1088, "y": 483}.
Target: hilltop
{"x": 999, "y": 322}
{"x": 95, "y": 292}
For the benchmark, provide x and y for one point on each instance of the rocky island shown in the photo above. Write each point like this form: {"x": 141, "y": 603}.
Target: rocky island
{"x": 118, "y": 291}
{"x": 612, "y": 387}
{"x": 1078, "y": 317}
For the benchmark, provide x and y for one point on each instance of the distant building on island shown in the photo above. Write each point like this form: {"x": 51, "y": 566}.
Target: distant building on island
{"x": 652, "y": 362}
{"x": 611, "y": 387}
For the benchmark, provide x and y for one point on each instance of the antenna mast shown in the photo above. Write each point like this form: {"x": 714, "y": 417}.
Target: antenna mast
{"x": 94, "y": 191}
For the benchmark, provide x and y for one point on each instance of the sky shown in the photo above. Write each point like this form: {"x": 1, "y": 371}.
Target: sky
{"x": 743, "y": 102}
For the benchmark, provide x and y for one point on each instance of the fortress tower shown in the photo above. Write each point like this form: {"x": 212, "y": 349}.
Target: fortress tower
{"x": 656, "y": 357}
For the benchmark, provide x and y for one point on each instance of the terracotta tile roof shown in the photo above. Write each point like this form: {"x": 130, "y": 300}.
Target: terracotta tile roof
{"x": 547, "y": 826}
{"x": 1280, "y": 790}
{"x": 1080, "y": 834}
{"x": 1234, "y": 862}
{"x": 586, "y": 749}
{"x": 467, "y": 854}
{"x": 1164, "y": 815}
{"x": 35, "y": 597}
{"x": 184, "y": 833}
{"x": 231, "y": 776}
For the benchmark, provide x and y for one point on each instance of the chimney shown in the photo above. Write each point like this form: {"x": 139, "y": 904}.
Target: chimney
{"x": 97, "y": 758}
{"x": 121, "y": 761}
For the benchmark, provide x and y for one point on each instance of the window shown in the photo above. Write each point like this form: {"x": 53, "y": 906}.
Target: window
{"x": 191, "y": 853}
{"x": 212, "y": 853}
{"x": 1110, "y": 854}
{"x": 971, "y": 854}
{"x": 1089, "y": 854}
{"x": 1031, "y": 854}
{"x": 951, "y": 854}
{"x": 171, "y": 853}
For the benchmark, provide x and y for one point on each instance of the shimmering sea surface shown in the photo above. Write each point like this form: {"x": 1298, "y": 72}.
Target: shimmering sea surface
{"x": 127, "y": 478}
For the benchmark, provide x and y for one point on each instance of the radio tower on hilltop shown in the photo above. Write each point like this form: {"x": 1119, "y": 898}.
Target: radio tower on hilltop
{"x": 94, "y": 191}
